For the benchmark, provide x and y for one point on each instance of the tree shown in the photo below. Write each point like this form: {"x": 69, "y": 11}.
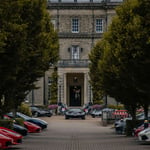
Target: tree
{"x": 123, "y": 68}
{"x": 30, "y": 46}
{"x": 53, "y": 87}
{"x": 94, "y": 57}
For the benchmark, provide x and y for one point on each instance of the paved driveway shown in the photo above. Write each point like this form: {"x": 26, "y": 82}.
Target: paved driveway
{"x": 76, "y": 134}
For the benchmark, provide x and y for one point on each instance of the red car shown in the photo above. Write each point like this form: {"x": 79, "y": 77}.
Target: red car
{"x": 5, "y": 142}
{"x": 17, "y": 138}
{"x": 139, "y": 129}
{"x": 32, "y": 128}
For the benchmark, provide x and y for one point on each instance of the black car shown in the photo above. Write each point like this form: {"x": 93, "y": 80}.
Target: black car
{"x": 38, "y": 112}
{"x": 74, "y": 113}
{"x": 43, "y": 124}
{"x": 20, "y": 129}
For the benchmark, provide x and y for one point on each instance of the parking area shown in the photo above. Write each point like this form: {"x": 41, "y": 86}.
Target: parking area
{"x": 76, "y": 134}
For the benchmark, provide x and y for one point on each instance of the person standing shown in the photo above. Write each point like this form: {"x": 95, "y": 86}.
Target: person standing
{"x": 146, "y": 124}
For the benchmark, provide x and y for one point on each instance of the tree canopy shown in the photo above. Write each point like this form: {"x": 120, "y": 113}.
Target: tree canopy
{"x": 123, "y": 68}
{"x": 28, "y": 45}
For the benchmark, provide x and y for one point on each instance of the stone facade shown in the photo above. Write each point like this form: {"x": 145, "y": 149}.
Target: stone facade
{"x": 80, "y": 24}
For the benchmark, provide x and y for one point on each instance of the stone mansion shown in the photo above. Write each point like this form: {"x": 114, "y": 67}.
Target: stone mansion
{"x": 80, "y": 24}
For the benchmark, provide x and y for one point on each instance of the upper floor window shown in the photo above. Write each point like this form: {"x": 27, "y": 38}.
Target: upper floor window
{"x": 99, "y": 25}
{"x": 75, "y": 25}
{"x": 75, "y": 53}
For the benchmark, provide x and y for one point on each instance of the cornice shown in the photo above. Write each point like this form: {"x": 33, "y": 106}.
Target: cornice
{"x": 62, "y": 6}
{"x": 79, "y": 35}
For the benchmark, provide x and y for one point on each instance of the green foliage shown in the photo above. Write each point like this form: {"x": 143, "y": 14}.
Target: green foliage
{"x": 98, "y": 102}
{"x": 54, "y": 88}
{"x": 19, "y": 121}
{"x": 6, "y": 123}
{"x": 24, "y": 108}
{"x": 28, "y": 46}
{"x": 123, "y": 67}
{"x": 94, "y": 56}
{"x": 119, "y": 107}
{"x": 131, "y": 124}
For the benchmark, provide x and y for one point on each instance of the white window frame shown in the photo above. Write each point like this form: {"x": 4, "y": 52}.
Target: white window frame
{"x": 75, "y": 52}
{"x": 99, "y": 25}
{"x": 75, "y": 25}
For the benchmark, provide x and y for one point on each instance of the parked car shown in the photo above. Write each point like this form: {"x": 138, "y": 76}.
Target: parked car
{"x": 17, "y": 138}
{"x": 96, "y": 113}
{"x": 74, "y": 113}
{"x": 120, "y": 126}
{"x": 28, "y": 127}
{"x": 38, "y": 112}
{"x": 141, "y": 116}
{"x": 138, "y": 129}
{"x": 5, "y": 142}
{"x": 20, "y": 129}
{"x": 32, "y": 128}
{"x": 144, "y": 136}
{"x": 43, "y": 124}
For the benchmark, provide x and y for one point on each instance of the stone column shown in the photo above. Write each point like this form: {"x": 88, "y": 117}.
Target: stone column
{"x": 65, "y": 88}
{"x": 85, "y": 89}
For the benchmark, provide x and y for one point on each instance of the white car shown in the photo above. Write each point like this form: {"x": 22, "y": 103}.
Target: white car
{"x": 144, "y": 136}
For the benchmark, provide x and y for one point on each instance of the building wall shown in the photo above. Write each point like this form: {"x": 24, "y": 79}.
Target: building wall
{"x": 61, "y": 16}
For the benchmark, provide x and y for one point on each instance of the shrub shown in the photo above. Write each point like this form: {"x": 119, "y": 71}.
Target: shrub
{"x": 119, "y": 107}
{"x": 6, "y": 123}
{"x": 19, "y": 121}
{"x": 24, "y": 108}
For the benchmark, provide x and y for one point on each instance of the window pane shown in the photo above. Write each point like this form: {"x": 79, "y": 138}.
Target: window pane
{"x": 75, "y": 25}
{"x": 99, "y": 25}
{"x": 53, "y": 21}
{"x": 75, "y": 52}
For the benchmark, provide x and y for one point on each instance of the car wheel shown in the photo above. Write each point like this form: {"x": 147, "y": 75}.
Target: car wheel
{"x": 66, "y": 117}
{"x": 49, "y": 115}
{"x": 83, "y": 118}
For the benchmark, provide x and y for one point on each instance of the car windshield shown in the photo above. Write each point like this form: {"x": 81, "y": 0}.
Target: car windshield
{"x": 34, "y": 108}
{"x": 75, "y": 110}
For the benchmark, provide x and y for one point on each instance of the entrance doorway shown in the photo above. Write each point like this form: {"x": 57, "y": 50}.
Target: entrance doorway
{"x": 75, "y": 95}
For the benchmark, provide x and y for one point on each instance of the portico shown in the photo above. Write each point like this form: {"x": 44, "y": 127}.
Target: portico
{"x": 73, "y": 86}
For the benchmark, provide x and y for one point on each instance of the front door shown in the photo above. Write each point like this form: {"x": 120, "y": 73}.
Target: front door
{"x": 75, "y": 95}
